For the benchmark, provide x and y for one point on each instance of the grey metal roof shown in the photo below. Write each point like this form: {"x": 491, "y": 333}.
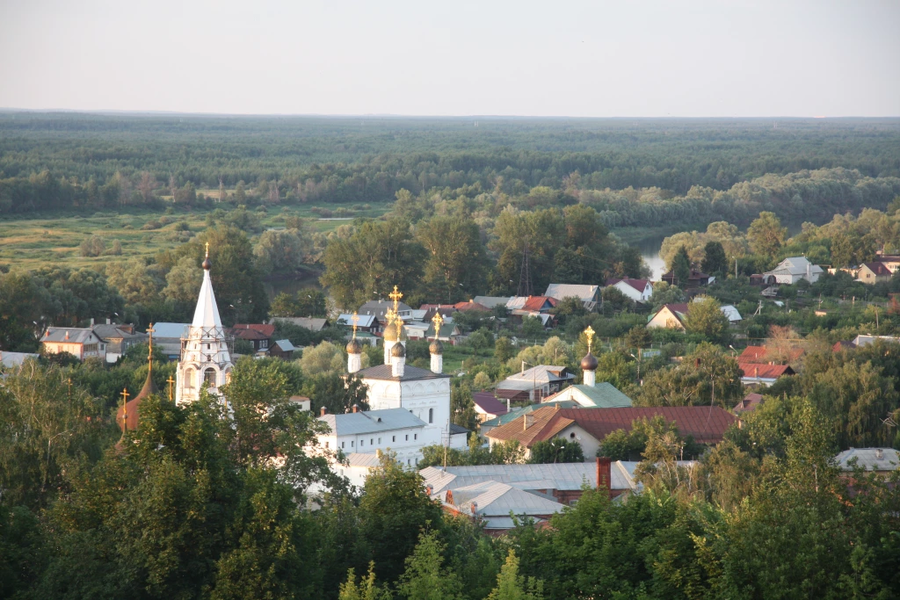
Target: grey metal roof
{"x": 410, "y": 373}
{"x": 169, "y": 330}
{"x": 285, "y": 345}
{"x": 870, "y": 459}
{"x": 360, "y": 459}
{"x": 14, "y": 359}
{"x": 364, "y": 320}
{"x": 492, "y": 301}
{"x": 583, "y": 292}
{"x": 557, "y": 476}
{"x": 457, "y": 429}
{"x": 535, "y": 376}
{"x": 72, "y": 335}
{"x": 372, "y": 421}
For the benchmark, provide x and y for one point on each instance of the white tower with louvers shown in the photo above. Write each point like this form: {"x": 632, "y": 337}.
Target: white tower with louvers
{"x": 205, "y": 358}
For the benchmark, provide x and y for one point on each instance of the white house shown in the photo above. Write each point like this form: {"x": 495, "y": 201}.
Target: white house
{"x": 793, "y": 269}
{"x": 80, "y": 342}
{"x": 638, "y": 290}
{"x": 367, "y": 432}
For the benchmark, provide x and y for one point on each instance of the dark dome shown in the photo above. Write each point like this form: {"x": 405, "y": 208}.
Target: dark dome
{"x": 206, "y": 264}
{"x": 354, "y": 347}
{"x": 398, "y": 351}
{"x": 589, "y": 362}
{"x": 436, "y": 347}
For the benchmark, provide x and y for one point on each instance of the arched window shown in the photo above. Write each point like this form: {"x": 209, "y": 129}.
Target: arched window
{"x": 431, "y": 415}
{"x": 209, "y": 376}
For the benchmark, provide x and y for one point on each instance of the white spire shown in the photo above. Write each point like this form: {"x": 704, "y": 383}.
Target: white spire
{"x": 207, "y": 312}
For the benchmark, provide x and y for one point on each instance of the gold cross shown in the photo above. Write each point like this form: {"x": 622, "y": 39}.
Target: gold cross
{"x": 355, "y": 322}
{"x": 125, "y": 408}
{"x": 171, "y": 382}
{"x": 207, "y": 249}
{"x": 438, "y": 321}
{"x": 151, "y": 331}
{"x": 589, "y": 332}
{"x": 395, "y": 296}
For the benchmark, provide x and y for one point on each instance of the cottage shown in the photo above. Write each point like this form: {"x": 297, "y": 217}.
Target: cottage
{"x": 588, "y": 295}
{"x": 669, "y": 316}
{"x": 637, "y": 290}
{"x": 873, "y": 272}
{"x": 793, "y": 269}
{"x": 80, "y": 342}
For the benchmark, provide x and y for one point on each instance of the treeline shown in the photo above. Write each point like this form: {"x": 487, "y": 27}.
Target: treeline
{"x": 369, "y": 160}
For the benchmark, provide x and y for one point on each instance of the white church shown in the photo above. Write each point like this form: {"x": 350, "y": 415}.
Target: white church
{"x": 409, "y": 406}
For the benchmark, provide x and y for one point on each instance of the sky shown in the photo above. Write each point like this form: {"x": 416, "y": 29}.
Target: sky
{"x": 592, "y": 58}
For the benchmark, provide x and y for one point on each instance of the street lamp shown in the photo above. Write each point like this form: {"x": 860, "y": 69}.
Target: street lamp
{"x": 638, "y": 359}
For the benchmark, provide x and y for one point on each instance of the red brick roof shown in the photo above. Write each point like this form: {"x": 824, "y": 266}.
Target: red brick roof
{"x": 705, "y": 424}
{"x": 267, "y": 330}
{"x": 763, "y": 370}
{"x": 537, "y": 303}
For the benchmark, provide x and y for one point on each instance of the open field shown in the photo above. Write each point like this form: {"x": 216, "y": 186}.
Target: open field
{"x": 35, "y": 242}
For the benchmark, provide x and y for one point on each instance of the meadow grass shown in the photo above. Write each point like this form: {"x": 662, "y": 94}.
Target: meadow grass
{"x": 54, "y": 239}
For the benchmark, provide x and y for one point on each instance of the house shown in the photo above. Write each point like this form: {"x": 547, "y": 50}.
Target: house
{"x": 302, "y": 401}
{"x": 589, "y": 426}
{"x": 311, "y": 323}
{"x": 589, "y": 295}
{"x": 258, "y": 334}
{"x": 80, "y": 342}
{"x": 873, "y": 272}
{"x": 882, "y": 461}
{"x": 492, "y": 302}
{"x": 377, "y": 430}
{"x": 117, "y": 339}
{"x": 696, "y": 279}
{"x": 167, "y": 337}
{"x": 15, "y": 359}
{"x": 517, "y": 411}
{"x": 600, "y": 395}
{"x": 793, "y": 269}
{"x": 535, "y": 383}
{"x": 638, "y": 290}
{"x": 379, "y": 308}
{"x": 749, "y": 403}
{"x": 530, "y": 305}
{"x": 669, "y": 316}
{"x": 487, "y": 406}
{"x": 866, "y": 340}
{"x": 364, "y": 323}
{"x": 282, "y": 349}
{"x": 762, "y": 374}
{"x": 762, "y": 354}
{"x": 562, "y": 482}
{"x": 496, "y": 506}
{"x": 891, "y": 261}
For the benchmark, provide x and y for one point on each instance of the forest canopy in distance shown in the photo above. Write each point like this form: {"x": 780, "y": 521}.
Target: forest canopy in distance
{"x": 371, "y": 158}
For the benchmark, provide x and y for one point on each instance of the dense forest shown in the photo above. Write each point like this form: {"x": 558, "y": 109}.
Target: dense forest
{"x": 682, "y": 169}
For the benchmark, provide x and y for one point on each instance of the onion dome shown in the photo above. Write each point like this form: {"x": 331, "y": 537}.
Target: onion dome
{"x": 390, "y": 332}
{"x": 206, "y": 264}
{"x": 133, "y": 406}
{"x": 398, "y": 351}
{"x": 589, "y": 362}
{"x": 354, "y": 347}
{"x": 436, "y": 347}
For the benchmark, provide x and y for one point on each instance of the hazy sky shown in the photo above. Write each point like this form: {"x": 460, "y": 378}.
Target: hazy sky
{"x": 554, "y": 57}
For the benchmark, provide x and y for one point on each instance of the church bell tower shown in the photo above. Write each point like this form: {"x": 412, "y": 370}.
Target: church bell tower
{"x": 205, "y": 359}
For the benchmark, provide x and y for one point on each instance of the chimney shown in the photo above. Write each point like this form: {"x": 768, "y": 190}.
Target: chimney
{"x": 879, "y": 454}
{"x": 429, "y": 490}
{"x": 67, "y": 335}
{"x": 527, "y": 421}
{"x": 474, "y": 508}
{"x": 355, "y": 408}
{"x": 604, "y": 474}
{"x": 92, "y": 321}
{"x": 323, "y": 411}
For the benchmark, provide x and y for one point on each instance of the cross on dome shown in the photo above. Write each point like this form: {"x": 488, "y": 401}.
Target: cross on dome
{"x": 438, "y": 321}
{"x": 589, "y": 332}
{"x": 355, "y": 323}
{"x": 395, "y": 296}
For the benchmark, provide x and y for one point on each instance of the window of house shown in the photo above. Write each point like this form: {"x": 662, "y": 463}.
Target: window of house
{"x": 351, "y": 443}
{"x": 362, "y": 443}
{"x": 431, "y": 415}
{"x": 379, "y": 441}
{"x": 393, "y": 438}
{"x": 407, "y": 437}
{"x": 371, "y": 441}
{"x": 264, "y": 343}
{"x": 342, "y": 444}
{"x": 415, "y": 436}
